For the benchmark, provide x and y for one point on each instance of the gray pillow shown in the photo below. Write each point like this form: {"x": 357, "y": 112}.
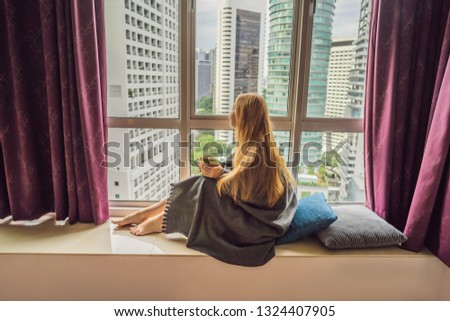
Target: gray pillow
{"x": 359, "y": 227}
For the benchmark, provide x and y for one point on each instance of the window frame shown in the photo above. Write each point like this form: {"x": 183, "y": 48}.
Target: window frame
{"x": 295, "y": 122}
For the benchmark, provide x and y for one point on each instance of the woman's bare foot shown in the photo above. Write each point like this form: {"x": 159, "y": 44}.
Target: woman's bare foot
{"x": 134, "y": 218}
{"x": 142, "y": 215}
{"x": 151, "y": 225}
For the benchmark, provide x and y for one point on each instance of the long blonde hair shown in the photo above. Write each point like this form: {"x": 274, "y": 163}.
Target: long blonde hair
{"x": 259, "y": 172}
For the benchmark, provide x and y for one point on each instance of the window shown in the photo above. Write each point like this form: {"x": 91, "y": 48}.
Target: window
{"x": 172, "y": 85}
{"x": 331, "y": 139}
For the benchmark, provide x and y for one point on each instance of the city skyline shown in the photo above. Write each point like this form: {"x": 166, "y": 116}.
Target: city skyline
{"x": 345, "y": 22}
{"x": 329, "y": 94}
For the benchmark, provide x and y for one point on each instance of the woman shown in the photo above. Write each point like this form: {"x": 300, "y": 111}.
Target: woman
{"x": 235, "y": 216}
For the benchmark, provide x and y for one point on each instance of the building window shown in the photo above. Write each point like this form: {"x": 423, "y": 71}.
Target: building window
{"x": 252, "y": 51}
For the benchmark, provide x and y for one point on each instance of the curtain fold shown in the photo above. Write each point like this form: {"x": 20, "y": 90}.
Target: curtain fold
{"x": 53, "y": 123}
{"x": 407, "y": 120}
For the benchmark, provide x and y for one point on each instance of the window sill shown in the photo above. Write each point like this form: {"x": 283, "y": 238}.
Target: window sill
{"x": 65, "y": 262}
{"x": 48, "y": 238}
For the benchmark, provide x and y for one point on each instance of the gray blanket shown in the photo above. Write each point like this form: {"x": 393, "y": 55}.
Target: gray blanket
{"x": 236, "y": 233}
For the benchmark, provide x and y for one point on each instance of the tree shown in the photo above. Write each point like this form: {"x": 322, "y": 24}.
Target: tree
{"x": 322, "y": 171}
{"x": 204, "y": 105}
{"x": 331, "y": 158}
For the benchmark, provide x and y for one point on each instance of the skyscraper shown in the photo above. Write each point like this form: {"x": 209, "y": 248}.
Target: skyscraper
{"x": 278, "y": 79}
{"x": 341, "y": 59}
{"x": 202, "y": 75}
{"x": 279, "y": 56}
{"x": 279, "y": 52}
{"x": 358, "y": 73}
{"x": 212, "y": 59}
{"x": 142, "y": 49}
{"x": 352, "y": 175}
{"x": 240, "y": 51}
{"x": 320, "y": 57}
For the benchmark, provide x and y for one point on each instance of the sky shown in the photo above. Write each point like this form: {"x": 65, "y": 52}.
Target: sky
{"x": 345, "y": 20}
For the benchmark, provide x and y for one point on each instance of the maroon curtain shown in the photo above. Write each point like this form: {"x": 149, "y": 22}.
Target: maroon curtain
{"x": 53, "y": 110}
{"x": 407, "y": 120}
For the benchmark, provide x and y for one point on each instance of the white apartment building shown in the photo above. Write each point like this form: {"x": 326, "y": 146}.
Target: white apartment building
{"x": 341, "y": 61}
{"x": 142, "y": 50}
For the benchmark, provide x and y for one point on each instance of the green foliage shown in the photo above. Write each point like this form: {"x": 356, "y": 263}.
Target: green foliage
{"x": 205, "y": 138}
{"x": 322, "y": 170}
{"x": 205, "y": 106}
{"x": 331, "y": 158}
{"x": 307, "y": 183}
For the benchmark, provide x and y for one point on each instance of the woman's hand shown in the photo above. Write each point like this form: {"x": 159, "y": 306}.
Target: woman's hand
{"x": 210, "y": 171}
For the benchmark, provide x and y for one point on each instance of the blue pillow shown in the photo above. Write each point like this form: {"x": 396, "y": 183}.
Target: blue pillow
{"x": 312, "y": 215}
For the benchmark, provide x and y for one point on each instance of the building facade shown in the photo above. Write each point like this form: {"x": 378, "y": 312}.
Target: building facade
{"x": 318, "y": 74}
{"x": 279, "y": 56}
{"x": 142, "y": 50}
{"x": 239, "y": 52}
{"x": 352, "y": 175}
{"x": 279, "y": 53}
{"x": 203, "y": 75}
{"x": 341, "y": 59}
